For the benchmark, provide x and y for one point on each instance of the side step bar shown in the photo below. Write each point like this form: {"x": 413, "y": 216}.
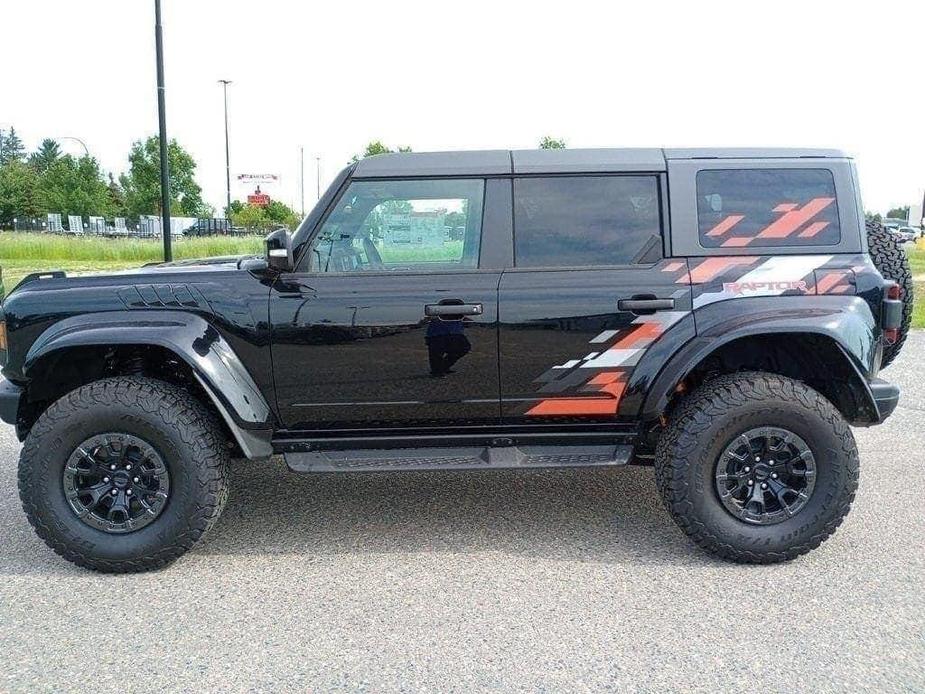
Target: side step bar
{"x": 467, "y": 458}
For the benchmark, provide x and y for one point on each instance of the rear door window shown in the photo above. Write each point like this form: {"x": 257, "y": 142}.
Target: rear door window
{"x": 760, "y": 208}
{"x": 586, "y": 221}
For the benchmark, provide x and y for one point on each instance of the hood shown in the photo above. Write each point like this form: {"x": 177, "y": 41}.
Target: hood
{"x": 228, "y": 262}
{"x": 216, "y": 264}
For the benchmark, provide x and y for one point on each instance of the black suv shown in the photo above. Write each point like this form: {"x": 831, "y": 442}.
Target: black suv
{"x": 721, "y": 314}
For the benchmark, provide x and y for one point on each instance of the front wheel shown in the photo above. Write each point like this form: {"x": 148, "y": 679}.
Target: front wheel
{"x": 757, "y": 468}
{"x": 123, "y": 474}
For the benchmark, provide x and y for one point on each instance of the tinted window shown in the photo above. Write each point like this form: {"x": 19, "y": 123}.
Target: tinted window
{"x": 585, "y": 221}
{"x": 401, "y": 225}
{"x": 767, "y": 207}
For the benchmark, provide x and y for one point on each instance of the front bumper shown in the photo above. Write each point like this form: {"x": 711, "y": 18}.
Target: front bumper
{"x": 10, "y": 395}
{"x": 886, "y": 397}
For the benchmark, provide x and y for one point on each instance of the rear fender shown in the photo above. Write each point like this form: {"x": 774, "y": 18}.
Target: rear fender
{"x": 846, "y": 320}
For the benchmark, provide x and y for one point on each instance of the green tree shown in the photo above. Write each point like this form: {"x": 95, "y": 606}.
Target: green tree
{"x": 74, "y": 187}
{"x": 377, "y": 147}
{"x": 280, "y": 213}
{"x": 251, "y": 217}
{"x": 47, "y": 154}
{"x": 873, "y": 216}
{"x": 142, "y": 183}
{"x": 11, "y": 147}
{"x": 236, "y": 208}
{"x": 551, "y": 143}
{"x": 17, "y": 192}
{"x": 116, "y": 197}
{"x": 899, "y": 213}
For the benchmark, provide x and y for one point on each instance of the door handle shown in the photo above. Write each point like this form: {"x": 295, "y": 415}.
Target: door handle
{"x": 644, "y": 304}
{"x": 439, "y": 310}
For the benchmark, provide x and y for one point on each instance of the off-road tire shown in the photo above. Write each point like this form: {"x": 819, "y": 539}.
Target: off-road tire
{"x": 891, "y": 260}
{"x": 184, "y": 433}
{"x": 715, "y": 414}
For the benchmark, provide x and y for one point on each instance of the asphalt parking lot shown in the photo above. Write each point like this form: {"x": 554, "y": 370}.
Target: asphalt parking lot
{"x": 561, "y": 580}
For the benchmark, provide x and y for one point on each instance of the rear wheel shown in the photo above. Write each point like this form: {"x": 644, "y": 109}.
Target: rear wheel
{"x": 756, "y": 467}
{"x": 123, "y": 474}
{"x": 891, "y": 260}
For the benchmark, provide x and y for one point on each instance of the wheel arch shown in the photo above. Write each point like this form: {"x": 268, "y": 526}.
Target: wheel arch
{"x": 830, "y": 346}
{"x": 130, "y": 343}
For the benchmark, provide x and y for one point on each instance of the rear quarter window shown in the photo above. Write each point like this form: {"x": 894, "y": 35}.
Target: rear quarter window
{"x": 767, "y": 208}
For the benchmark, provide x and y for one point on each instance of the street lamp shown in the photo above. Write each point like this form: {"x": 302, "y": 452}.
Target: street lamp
{"x": 162, "y": 131}
{"x": 225, "y": 84}
{"x": 75, "y": 139}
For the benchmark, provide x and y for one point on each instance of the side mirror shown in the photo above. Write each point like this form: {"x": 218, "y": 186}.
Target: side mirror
{"x": 279, "y": 251}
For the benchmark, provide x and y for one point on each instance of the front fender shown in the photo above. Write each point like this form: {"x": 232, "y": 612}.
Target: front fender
{"x": 213, "y": 362}
{"x": 847, "y": 320}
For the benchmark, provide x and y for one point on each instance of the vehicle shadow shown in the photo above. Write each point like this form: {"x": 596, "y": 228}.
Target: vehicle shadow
{"x": 604, "y": 515}
{"x": 611, "y": 516}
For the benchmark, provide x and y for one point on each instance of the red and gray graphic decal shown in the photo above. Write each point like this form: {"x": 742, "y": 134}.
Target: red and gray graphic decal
{"x": 594, "y": 384}
{"x": 721, "y": 278}
{"x": 795, "y": 221}
{"x": 837, "y": 281}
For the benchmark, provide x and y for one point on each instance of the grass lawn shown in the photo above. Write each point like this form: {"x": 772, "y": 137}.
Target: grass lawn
{"x": 917, "y": 263}
{"x": 21, "y": 254}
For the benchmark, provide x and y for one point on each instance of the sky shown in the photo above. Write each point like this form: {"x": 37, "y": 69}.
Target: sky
{"x": 331, "y": 76}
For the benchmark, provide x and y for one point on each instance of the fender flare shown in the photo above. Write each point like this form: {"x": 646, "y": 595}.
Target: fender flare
{"x": 191, "y": 338}
{"x": 847, "y": 321}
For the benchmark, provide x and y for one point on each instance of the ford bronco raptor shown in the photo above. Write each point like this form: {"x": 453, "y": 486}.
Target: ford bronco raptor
{"x": 722, "y": 315}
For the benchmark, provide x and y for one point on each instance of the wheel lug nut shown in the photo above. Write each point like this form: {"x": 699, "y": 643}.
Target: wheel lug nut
{"x": 112, "y": 467}
{"x": 773, "y": 475}
{"x": 750, "y": 483}
{"x": 114, "y": 492}
{"x": 128, "y": 492}
{"x": 135, "y": 480}
{"x": 764, "y": 485}
{"x": 757, "y": 458}
{"x": 747, "y": 469}
{"x": 105, "y": 479}
{"x": 128, "y": 466}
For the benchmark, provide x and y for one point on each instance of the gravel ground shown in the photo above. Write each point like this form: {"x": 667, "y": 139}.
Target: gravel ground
{"x": 561, "y": 580}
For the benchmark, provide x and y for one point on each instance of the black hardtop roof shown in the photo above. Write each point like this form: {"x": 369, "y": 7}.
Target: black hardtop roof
{"x": 532, "y": 161}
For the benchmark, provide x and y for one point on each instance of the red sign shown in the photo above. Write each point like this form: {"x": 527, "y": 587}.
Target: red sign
{"x": 259, "y": 199}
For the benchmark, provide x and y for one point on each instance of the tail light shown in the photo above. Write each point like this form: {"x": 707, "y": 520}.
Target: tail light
{"x": 894, "y": 292}
{"x": 891, "y": 335}
{"x": 2, "y": 335}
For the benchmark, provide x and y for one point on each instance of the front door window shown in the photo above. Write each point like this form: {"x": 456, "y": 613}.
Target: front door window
{"x": 388, "y": 226}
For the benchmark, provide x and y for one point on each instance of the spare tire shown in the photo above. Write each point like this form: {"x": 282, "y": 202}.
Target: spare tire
{"x": 893, "y": 263}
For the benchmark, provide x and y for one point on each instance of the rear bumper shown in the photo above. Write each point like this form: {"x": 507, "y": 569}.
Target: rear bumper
{"x": 10, "y": 395}
{"x": 886, "y": 397}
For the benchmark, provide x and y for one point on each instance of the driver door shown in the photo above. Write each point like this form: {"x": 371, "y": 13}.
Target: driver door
{"x": 388, "y": 321}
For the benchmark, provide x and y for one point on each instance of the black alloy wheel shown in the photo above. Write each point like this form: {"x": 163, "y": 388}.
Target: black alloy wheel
{"x": 765, "y": 475}
{"x": 116, "y": 482}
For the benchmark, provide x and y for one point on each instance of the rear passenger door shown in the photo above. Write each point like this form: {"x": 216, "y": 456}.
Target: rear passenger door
{"x": 589, "y": 296}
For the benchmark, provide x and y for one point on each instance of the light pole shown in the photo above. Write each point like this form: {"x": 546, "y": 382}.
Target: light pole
{"x": 225, "y": 84}
{"x": 318, "y": 176}
{"x": 302, "y": 178}
{"x": 76, "y": 139}
{"x": 162, "y": 123}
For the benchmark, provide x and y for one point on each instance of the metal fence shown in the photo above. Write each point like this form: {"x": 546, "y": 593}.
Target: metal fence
{"x": 146, "y": 227}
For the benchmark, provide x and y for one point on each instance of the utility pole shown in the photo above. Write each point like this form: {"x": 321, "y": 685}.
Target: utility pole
{"x": 225, "y": 84}
{"x": 318, "y": 176}
{"x": 162, "y": 122}
{"x": 302, "y": 177}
